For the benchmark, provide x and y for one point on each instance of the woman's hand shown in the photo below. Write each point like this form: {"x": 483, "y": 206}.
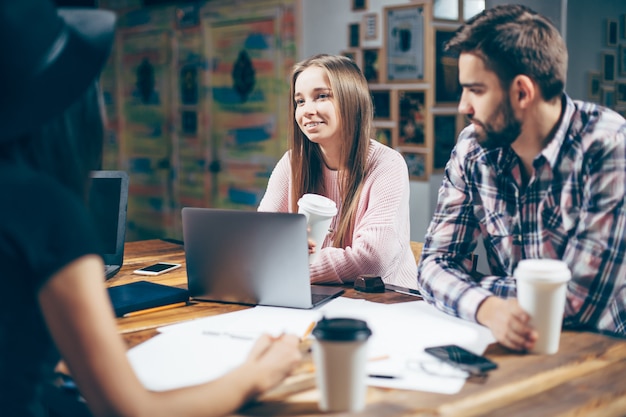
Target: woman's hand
{"x": 273, "y": 359}
{"x": 311, "y": 246}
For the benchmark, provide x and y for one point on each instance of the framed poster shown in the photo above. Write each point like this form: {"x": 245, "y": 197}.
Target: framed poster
{"x": 359, "y": 5}
{"x": 620, "y": 93}
{"x": 608, "y": 66}
{"x": 445, "y": 134}
{"x": 446, "y": 9}
{"x": 381, "y": 100}
{"x": 370, "y": 26}
{"x": 371, "y": 66}
{"x": 607, "y": 95}
{"x": 622, "y": 59}
{"x": 354, "y": 30}
{"x": 447, "y": 87}
{"x": 354, "y": 55}
{"x": 593, "y": 86}
{"x": 611, "y": 32}
{"x": 411, "y": 117}
{"x": 384, "y": 135}
{"x": 405, "y": 43}
{"x": 416, "y": 160}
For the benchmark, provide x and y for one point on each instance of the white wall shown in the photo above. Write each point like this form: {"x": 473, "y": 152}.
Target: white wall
{"x": 586, "y": 39}
{"x": 324, "y": 24}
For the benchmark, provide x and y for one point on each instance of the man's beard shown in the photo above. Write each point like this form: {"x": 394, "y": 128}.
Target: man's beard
{"x": 492, "y": 136}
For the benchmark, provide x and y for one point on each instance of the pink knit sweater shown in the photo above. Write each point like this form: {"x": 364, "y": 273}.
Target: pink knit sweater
{"x": 381, "y": 240}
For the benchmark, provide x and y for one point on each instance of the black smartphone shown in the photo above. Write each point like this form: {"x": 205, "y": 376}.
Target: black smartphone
{"x": 462, "y": 358}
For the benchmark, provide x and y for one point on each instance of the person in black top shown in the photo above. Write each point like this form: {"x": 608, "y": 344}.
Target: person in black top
{"x": 53, "y": 293}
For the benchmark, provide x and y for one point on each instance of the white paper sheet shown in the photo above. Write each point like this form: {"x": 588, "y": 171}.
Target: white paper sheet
{"x": 203, "y": 349}
{"x": 168, "y": 361}
{"x": 253, "y": 321}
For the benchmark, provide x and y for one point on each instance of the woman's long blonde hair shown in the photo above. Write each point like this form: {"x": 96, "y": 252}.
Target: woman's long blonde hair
{"x": 354, "y": 103}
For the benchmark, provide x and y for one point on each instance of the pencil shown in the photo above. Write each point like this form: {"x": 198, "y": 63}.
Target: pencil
{"x": 154, "y": 309}
{"x": 378, "y": 358}
{"x": 308, "y": 331}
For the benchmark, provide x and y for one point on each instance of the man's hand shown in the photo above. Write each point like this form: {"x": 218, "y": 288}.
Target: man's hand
{"x": 508, "y": 322}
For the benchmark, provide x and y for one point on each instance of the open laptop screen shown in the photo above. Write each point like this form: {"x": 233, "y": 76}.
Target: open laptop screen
{"x": 108, "y": 198}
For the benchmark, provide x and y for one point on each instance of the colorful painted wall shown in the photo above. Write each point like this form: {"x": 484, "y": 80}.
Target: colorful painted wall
{"x": 196, "y": 97}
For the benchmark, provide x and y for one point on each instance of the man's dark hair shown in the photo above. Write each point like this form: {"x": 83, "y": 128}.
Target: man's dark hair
{"x": 514, "y": 40}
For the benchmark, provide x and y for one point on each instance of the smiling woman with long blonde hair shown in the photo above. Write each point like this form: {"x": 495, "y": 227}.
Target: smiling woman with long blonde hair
{"x": 332, "y": 154}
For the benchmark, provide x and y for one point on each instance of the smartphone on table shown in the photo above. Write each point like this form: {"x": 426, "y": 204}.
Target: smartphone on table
{"x": 462, "y": 358}
{"x": 157, "y": 268}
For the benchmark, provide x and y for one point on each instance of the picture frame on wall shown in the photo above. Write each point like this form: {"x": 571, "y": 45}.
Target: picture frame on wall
{"x": 353, "y": 54}
{"x": 405, "y": 42}
{"x": 417, "y": 163}
{"x": 371, "y": 65}
{"x": 354, "y": 30}
{"x": 411, "y": 117}
{"x": 593, "y": 86}
{"x": 384, "y": 135}
{"x": 370, "y": 26}
{"x": 447, "y": 87}
{"x": 608, "y": 66}
{"x": 611, "y": 32}
{"x": 446, "y": 10}
{"x": 445, "y": 135}
{"x": 620, "y": 93}
{"x": 622, "y": 59}
{"x": 382, "y": 104}
{"x": 359, "y": 5}
{"x": 607, "y": 95}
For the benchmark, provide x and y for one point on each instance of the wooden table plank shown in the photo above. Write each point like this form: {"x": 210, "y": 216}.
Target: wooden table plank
{"x": 587, "y": 377}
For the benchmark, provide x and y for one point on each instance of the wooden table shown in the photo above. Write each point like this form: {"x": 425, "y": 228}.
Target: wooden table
{"x": 586, "y": 378}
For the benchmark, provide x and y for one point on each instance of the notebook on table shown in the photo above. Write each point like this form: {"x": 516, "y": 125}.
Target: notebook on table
{"x": 142, "y": 295}
{"x": 108, "y": 202}
{"x": 249, "y": 257}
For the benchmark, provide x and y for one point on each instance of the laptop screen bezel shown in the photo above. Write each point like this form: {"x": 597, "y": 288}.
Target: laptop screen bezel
{"x": 117, "y": 257}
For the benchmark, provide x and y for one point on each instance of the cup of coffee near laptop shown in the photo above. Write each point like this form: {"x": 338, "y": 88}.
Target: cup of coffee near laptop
{"x": 340, "y": 358}
{"x": 319, "y": 212}
{"x": 541, "y": 286}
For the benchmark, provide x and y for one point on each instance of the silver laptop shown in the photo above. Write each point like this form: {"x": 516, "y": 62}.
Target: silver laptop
{"x": 249, "y": 257}
{"x": 108, "y": 203}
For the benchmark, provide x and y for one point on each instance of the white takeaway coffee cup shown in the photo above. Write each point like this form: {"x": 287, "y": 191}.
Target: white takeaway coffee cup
{"x": 319, "y": 212}
{"x": 541, "y": 287}
{"x": 340, "y": 356}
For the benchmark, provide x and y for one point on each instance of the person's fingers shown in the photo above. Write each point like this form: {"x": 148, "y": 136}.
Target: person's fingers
{"x": 261, "y": 346}
{"x": 514, "y": 341}
{"x": 289, "y": 339}
{"x": 311, "y": 246}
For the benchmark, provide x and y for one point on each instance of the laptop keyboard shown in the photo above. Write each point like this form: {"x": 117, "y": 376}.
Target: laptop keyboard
{"x": 110, "y": 270}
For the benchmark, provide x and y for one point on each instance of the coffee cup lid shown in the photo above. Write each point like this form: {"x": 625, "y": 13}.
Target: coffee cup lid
{"x": 542, "y": 270}
{"x": 342, "y": 330}
{"x": 318, "y": 204}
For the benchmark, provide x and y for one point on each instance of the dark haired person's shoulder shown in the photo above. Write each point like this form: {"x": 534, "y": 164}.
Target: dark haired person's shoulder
{"x": 32, "y": 193}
